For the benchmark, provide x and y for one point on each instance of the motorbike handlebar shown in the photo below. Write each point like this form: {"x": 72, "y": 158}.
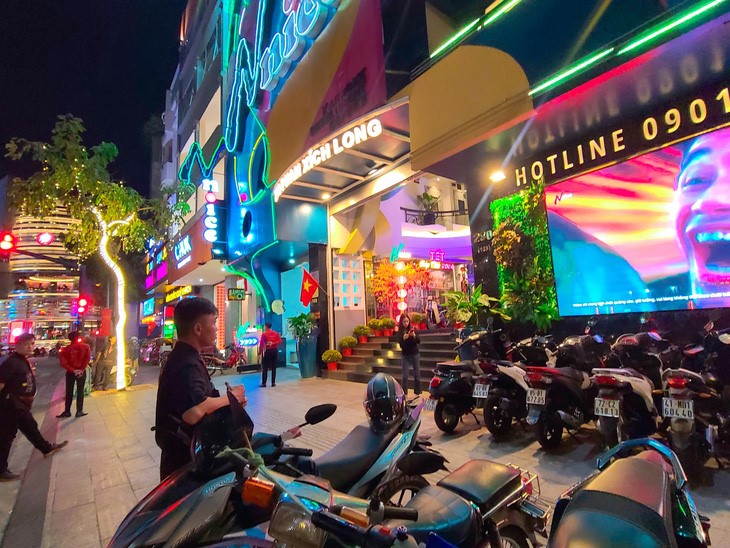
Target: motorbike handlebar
{"x": 394, "y": 512}
{"x": 354, "y": 535}
{"x": 298, "y": 451}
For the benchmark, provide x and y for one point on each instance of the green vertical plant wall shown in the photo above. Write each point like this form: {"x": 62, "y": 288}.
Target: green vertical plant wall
{"x": 522, "y": 252}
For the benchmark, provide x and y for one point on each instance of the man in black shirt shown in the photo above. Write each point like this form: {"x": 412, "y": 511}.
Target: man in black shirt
{"x": 185, "y": 394}
{"x": 17, "y": 390}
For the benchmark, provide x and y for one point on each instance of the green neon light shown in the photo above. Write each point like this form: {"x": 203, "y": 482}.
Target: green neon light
{"x": 195, "y": 156}
{"x": 455, "y": 37}
{"x": 254, "y": 281}
{"x": 570, "y": 71}
{"x": 669, "y": 25}
{"x": 488, "y": 19}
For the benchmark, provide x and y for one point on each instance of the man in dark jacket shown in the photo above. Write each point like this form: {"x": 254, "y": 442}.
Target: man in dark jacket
{"x": 75, "y": 359}
{"x": 17, "y": 390}
{"x": 185, "y": 393}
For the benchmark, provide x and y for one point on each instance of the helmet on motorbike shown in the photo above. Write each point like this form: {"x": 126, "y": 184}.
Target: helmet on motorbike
{"x": 384, "y": 402}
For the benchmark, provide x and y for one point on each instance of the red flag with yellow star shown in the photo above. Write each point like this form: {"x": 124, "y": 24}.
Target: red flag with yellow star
{"x": 309, "y": 288}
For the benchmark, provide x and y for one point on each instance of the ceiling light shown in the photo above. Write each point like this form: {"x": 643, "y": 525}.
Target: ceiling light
{"x": 326, "y": 196}
{"x": 201, "y": 279}
{"x": 291, "y": 260}
{"x": 352, "y": 202}
{"x": 373, "y": 171}
{"x": 497, "y": 176}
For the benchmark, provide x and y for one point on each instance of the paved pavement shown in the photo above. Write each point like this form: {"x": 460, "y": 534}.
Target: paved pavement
{"x": 112, "y": 460}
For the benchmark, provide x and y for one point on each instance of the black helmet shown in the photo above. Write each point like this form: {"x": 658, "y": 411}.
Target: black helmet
{"x": 384, "y": 402}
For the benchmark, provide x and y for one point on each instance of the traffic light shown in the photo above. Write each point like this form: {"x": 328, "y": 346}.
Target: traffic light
{"x": 82, "y": 305}
{"x": 8, "y": 243}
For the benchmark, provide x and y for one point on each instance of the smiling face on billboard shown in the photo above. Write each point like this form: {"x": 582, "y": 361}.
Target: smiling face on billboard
{"x": 702, "y": 211}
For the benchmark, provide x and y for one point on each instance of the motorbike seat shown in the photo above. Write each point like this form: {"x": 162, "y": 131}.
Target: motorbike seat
{"x": 444, "y": 513}
{"x": 483, "y": 482}
{"x": 579, "y": 376}
{"x": 348, "y": 461}
{"x": 449, "y": 367}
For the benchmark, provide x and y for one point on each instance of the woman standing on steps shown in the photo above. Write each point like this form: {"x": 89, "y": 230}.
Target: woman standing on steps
{"x": 410, "y": 357}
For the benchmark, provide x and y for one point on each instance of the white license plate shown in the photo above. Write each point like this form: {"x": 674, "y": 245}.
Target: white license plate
{"x": 536, "y": 396}
{"x": 430, "y": 404}
{"x": 678, "y": 409}
{"x": 480, "y": 390}
{"x": 606, "y": 408}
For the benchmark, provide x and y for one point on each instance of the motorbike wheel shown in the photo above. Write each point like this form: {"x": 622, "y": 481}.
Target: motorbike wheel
{"x": 497, "y": 420}
{"x": 549, "y": 430}
{"x": 128, "y": 377}
{"x": 692, "y": 462}
{"x": 447, "y": 416}
{"x": 513, "y": 537}
{"x": 400, "y": 490}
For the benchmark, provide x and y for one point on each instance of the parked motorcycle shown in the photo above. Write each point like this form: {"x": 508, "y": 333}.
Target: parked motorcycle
{"x": 483, "y": 503}
{"x": 452, "y": 388}
{"x": 639, "y": 500}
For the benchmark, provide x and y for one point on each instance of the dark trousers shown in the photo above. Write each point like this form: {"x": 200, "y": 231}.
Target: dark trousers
{"x": 102, "y": 374}
{"x": 406, "y": 363}
{"x": 174, "y": 455}
{"x": 14, "y": 417}
{"x": 269, "y": 362}
{"x": 70, "y": 380}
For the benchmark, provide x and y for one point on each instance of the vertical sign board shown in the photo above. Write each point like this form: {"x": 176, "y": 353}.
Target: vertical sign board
{"x": 214, "y": 219}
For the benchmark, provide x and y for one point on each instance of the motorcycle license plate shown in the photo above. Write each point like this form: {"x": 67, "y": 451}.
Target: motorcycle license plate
{"x": 678, "y": 409}
{"x": 536, "y": 396}
{"x": 430, "y": 404}
{"x": 606, "y": 408}
{"x": 480, "y": 391}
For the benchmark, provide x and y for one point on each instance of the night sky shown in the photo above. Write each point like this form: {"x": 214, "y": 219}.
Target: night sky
{"x": 108, "y": 62}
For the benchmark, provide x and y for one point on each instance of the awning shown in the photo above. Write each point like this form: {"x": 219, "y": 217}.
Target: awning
{"x": 356, "y": 154}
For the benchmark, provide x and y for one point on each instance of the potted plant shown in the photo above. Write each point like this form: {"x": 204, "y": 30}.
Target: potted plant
{"x": 301, "y": 328}
{"x": 331, "y": 357}
{"x": 376, "y": 326}
{"x": 429, "y": 203}
{"x": 419, "y": 320}
{"x": 388, "y": 326}
{"x": 347, "y": 344}
{"x": 362, "y": 332}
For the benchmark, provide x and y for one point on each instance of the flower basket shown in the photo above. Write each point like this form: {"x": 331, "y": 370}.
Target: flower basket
{"x": 331, "y": 366}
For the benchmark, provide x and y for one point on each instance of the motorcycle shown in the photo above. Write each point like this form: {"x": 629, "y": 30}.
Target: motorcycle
{"x": 482, "y": 503}
{"x": 237, "y": 357}
{"x": 639, "y": 500}
{"x": 562, "y": 396}
{"x": 452, "y": 388}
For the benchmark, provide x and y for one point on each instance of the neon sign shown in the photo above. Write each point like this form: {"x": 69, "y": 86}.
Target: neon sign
{"x": 148, "y": 307}
{"x": 182, "y": 251}
{"x": 178, "y": 293}
{"x": 210, "y": 219}
{"x": 314, "y": 157}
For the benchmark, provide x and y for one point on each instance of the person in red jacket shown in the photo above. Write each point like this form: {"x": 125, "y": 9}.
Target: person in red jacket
{"x": 268, "y": 350}
{"x": 74, "y": 359}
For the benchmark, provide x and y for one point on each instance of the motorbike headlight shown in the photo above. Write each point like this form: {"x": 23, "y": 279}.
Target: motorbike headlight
{"x": 292, "y": 526}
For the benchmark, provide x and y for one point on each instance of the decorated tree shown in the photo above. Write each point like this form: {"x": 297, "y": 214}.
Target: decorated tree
{"x": 112, "y": 218}
{"x": 384, "y": 283}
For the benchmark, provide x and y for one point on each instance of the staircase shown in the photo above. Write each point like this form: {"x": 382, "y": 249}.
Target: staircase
{"x": 382, "y": 355}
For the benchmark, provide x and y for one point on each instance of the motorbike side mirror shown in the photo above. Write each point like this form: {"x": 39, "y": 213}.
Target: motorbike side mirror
{"x": 490, "y": 322}
{"x": 319, "y": 413}
{"x": 421, "y": 463}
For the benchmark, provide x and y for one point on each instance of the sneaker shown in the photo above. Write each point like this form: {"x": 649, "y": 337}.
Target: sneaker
{"x": 9, "y": 476}
{"x": 262, "y": 386}
{"x": 64, "y": 415}
{"x": 55, "y": 447}
{"x": 273, "y": 384}
{"x": 80, "y": 414}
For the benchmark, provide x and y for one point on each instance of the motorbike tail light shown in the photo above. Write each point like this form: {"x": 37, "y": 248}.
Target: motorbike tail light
{"x": 678, "y": 382}
{"x": 607, "y": 380}
{"x": 538, "y": 378}
{"x": 487, "y": 366}
{"x": 434, "y": 382}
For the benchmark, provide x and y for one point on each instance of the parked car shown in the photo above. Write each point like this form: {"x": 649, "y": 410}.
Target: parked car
{"x": 155, "y": 351}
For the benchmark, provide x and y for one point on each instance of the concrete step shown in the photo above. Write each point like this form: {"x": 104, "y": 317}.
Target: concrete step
{"x": 364, "y": 377}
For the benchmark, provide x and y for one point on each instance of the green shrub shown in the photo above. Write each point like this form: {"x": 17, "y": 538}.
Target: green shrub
{"x": 348, "y": 342}
{"x": 362, "y": 331}
{"x": 330, "y": 356}
{"x": 387, "y": 323}
{"x": 375, "y": 324}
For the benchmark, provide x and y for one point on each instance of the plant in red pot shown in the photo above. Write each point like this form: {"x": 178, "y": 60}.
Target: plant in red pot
{"x": 376, "y": 327}
{"x": 347, "y": 344}
{"x": 419, "y": 320}
{"x": 331, "y": 357}
{"x": 388, "y": 326}
{"x": 362, "y": 332}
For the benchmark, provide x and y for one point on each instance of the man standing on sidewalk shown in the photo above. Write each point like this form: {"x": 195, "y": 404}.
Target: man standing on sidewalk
{"x": 269, "y": 350}
{"x": 75, "y": 359}
{"x": 17, "y": 390}
{"x": 185, "y": 394}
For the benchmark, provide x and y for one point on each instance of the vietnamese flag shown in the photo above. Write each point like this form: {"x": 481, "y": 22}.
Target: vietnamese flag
{"x": 309, "y": 288}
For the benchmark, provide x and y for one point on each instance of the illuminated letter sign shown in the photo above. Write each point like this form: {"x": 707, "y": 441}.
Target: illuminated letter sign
{"x": 148, "y": 307}
{"x": 210, "y": 219}
{"x": 182, "y": 248}
{"x": 235, "y": 294}
{"x": 178, "y": 293}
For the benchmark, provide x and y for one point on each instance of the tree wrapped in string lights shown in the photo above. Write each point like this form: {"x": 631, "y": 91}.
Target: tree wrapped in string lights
{"x": 112, "y": 217}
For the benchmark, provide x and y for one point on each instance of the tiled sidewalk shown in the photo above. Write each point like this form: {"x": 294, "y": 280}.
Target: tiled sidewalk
{"x": 112, "y": 460}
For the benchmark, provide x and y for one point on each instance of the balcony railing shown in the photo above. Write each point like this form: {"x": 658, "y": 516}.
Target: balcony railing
{"x": 445, "y": 218}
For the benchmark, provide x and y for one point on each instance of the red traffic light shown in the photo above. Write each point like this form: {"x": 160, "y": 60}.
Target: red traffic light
{"x": 7, "y": 241}
{"x": 83, "y": 302}
{"x": 45, "y": 238}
